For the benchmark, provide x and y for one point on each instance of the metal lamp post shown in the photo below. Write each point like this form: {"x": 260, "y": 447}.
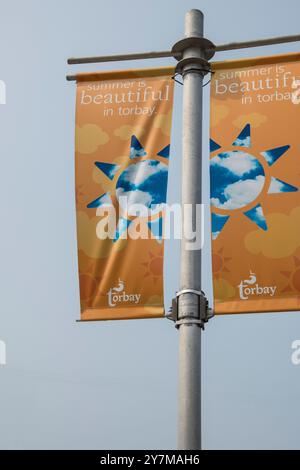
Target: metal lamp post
{"x": 190, "y": 308}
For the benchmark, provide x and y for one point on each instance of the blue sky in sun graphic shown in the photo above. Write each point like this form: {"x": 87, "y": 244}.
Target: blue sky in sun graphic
{"x": 144, "y": 183}
{"x": 237, "y": 178}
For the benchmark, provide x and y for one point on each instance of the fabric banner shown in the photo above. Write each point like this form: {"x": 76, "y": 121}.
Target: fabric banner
{"x": 255, "y": 181}
{"x": 123, "y": 123}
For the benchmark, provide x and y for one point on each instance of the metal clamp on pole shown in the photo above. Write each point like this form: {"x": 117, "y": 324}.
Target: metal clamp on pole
{"x": 184, "y": 52}
{"x": 204, "y": 312}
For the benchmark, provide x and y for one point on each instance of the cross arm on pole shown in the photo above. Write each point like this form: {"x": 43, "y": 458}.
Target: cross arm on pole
{"x": 177, "y": 55}
{"x": 258, "y": 43}
{"x": 120, "y": 57}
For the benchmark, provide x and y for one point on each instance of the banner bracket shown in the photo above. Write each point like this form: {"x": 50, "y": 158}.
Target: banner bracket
{"x": 204, "y": 312}
{"x": 175, "y": 79}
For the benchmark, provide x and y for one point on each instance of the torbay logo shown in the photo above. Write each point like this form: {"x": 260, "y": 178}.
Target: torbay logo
{"x": 249, "y": 287}
{"x": 118, "y": 295}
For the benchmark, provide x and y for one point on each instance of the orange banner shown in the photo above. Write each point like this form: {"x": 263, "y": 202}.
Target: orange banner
{"x": 255, "y": 181}
{"x": 123, "y": 123}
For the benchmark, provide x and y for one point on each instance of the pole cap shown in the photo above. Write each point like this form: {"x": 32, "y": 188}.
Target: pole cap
{"x": 194, "y": 21}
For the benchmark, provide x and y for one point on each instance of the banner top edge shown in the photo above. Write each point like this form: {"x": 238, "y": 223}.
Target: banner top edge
{"x": 125, "y": 73}
{"x": 258, "y": 60}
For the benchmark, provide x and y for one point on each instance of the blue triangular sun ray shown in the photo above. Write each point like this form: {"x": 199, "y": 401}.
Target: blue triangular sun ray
{"x": 217, "y": 224}
{"x": 165, "y": 152}
{"x": 244, "y": 138}
{"x": 136, "y": 149}
{"x": 256, "y": 215}
{"x": 278, "y": 186}
{"x": 213, "y": 146}
{"x": 104, "y": 200}
{"x": 271, "y": 156}
{"x": 122, "y": 226}
{"x": 109, "y": 169}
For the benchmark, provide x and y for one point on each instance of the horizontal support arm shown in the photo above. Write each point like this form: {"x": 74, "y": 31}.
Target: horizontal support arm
{"x": 120, "y": 57}
{"x": 161, "y": 54}
{"x": 257, "y": 43}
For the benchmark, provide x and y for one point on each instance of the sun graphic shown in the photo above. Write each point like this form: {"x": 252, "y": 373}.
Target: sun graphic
{"x": 219, "y": 263}
{"x": 293, "y": 278}
{"x": 141, "y": 180}
{"x": 154, "y": 266}
{"x": 238, "y": 178}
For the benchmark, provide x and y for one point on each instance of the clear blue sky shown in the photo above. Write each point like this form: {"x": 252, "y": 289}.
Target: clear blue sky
{"x": 114, "y": 385}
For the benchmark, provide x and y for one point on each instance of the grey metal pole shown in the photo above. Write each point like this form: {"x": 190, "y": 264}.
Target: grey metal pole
{"x": 189, "y": 425}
